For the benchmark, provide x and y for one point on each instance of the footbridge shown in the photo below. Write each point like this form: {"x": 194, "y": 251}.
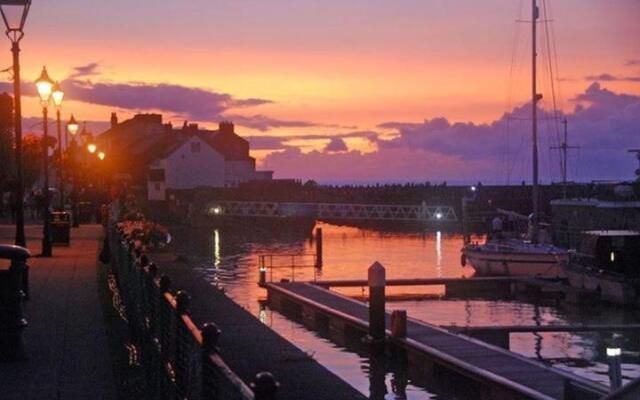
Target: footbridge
{"x": 333, "y": 211}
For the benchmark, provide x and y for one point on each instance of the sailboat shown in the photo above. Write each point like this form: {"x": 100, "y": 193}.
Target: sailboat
{"x": 516, "y": 256}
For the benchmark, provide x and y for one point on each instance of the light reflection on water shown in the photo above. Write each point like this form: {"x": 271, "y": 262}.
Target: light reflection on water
{"x": 231, "y": 260}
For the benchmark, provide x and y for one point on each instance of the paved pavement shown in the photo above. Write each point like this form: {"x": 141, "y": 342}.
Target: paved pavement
{"x": 66, "y": 340}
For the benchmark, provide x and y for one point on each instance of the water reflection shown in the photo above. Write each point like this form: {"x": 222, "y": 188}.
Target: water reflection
{"x": 348, "y": 252}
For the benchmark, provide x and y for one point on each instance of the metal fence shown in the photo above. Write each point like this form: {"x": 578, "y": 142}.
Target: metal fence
{"x": 180, "y": 359}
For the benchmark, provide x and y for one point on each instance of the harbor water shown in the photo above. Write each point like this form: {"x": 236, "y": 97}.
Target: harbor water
{"x": 230, "y": 259}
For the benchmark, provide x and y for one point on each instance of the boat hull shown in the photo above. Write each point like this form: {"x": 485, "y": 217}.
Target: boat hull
{"x": 611, "y": 289}
{"x": 515, "y": 264}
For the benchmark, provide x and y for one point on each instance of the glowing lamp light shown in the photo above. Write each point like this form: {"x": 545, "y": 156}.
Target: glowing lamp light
{"x": 438, "y": 215}
{"x": 57, "y": 94}
{"x": 92, "y": 148}
{"x": 44, "y": 84}
{"x": 614, "y": 352}
{"x": 72, "y": 126}
{"x": 613, "y": 256}
{"x": 217, "y": 210}
{"x": 101, "y": 155}
{"x": 14, "y": 14}
{"x": 473, "y": 188}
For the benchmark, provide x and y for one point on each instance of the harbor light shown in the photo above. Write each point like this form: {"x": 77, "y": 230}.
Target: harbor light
{"x": 614, "y": 352}
{"x": 92, "y": 148}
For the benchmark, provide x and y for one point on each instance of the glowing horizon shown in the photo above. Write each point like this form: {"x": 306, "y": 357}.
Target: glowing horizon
{"x": 332, "y": 69}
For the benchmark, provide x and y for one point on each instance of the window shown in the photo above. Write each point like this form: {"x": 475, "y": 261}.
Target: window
{"x": 195, "y": 147}
{"x": 156, "y": 175}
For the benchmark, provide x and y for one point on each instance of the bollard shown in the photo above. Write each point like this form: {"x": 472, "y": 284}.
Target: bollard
{"x": 183, "y": 301}
{"x": 264, "y": 386}
{"x": 318, "y": 248}
{"x": 377, "y": 281}
{"x": 153, "y": 269}
{"x": 13, "y": 291}
{"x": 399, "y": 324}
{"x": 164, "y": 284}
{"x": 210, "y": 335}
{"x": 615, "y": 367}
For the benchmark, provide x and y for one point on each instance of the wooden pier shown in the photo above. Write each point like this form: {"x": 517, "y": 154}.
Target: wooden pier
{"x": 499, "y": 373}
{"x": 490, "y": 286}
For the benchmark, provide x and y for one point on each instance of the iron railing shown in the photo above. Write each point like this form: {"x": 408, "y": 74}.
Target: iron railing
{"x": 179, "y": 358}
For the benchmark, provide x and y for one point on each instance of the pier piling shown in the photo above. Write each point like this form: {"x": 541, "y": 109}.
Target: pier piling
{"x": 318, "y": 248}
{"x": 399, "y": 324}
{"x": 377, "y": 280}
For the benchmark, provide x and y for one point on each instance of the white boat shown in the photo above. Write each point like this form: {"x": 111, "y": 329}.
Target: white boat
{"x": 515, "y": 257}
{"x": 518, "y": 257}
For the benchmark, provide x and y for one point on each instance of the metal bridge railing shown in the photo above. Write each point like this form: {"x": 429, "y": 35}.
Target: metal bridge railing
{"x": 292, "y": 263}
{"x": 181, "y": 360}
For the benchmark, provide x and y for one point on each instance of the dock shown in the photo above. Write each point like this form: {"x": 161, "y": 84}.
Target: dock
{"x": 498, "y": 372}
{"x": 493, "y": 286}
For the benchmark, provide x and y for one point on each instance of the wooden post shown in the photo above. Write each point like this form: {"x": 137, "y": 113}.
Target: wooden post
{"x": 399, "y": 324}
{"x": 377, "y": 281}
{"x": 318, "y": 248}
{"x": 615, "y": 368}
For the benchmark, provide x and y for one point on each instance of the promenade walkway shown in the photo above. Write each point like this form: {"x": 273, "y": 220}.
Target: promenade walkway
{"x": 65, "y": 340}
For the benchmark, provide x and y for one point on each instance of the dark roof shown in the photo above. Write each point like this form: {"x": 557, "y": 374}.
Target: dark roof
{"x": 144, "y": 138}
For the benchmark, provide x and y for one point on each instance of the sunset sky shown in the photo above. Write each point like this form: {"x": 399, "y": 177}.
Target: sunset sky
{"x": 355, "y": 90}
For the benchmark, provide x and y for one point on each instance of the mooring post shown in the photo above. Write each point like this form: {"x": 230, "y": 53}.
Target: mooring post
{"x": 615, "y": 368}
{"x": 377, "y": 281}
{"x": 318, "y": 248}
{"x": 399, "y": 324}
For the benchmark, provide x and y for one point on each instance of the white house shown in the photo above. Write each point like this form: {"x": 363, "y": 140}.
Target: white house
{"x": 202, "y": 159}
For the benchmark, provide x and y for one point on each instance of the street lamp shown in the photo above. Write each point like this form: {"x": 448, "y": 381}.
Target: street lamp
{"x": 57, "y": 95}
{"x": 101, "y": 155}
{"x": 72, "y": 127}
{"x": 92, "y": 148}
{"x": 44, "y": 85}
{"x": 14, "y": 14}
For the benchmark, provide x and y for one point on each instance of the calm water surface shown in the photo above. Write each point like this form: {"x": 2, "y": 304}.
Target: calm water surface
{"x": 230, "y": 260}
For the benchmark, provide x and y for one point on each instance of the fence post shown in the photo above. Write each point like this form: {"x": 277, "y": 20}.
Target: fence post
{"x": 210, "y": 335}
{"x": 265, "y": 386}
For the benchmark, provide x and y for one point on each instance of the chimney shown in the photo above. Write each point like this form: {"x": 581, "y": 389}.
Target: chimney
{"x": 114, "y": 120}
{"x": 226, "y": 127}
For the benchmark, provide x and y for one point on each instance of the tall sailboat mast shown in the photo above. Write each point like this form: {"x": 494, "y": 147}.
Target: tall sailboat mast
{"x": 534, "y": 118}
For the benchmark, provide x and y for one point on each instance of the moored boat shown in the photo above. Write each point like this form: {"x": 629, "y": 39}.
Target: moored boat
{"x": 515, "y": 257}
{"x": 608, "y": 263}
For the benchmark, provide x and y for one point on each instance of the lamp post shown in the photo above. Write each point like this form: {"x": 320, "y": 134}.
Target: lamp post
{"x": 14, "y": 14}
{"x": 57, "y": 95}
{"x": 45, "y": 88}
{"x": 72, "y": 128}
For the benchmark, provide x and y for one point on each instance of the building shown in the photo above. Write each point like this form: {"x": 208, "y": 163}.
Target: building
{"x": 165, "y": 158}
